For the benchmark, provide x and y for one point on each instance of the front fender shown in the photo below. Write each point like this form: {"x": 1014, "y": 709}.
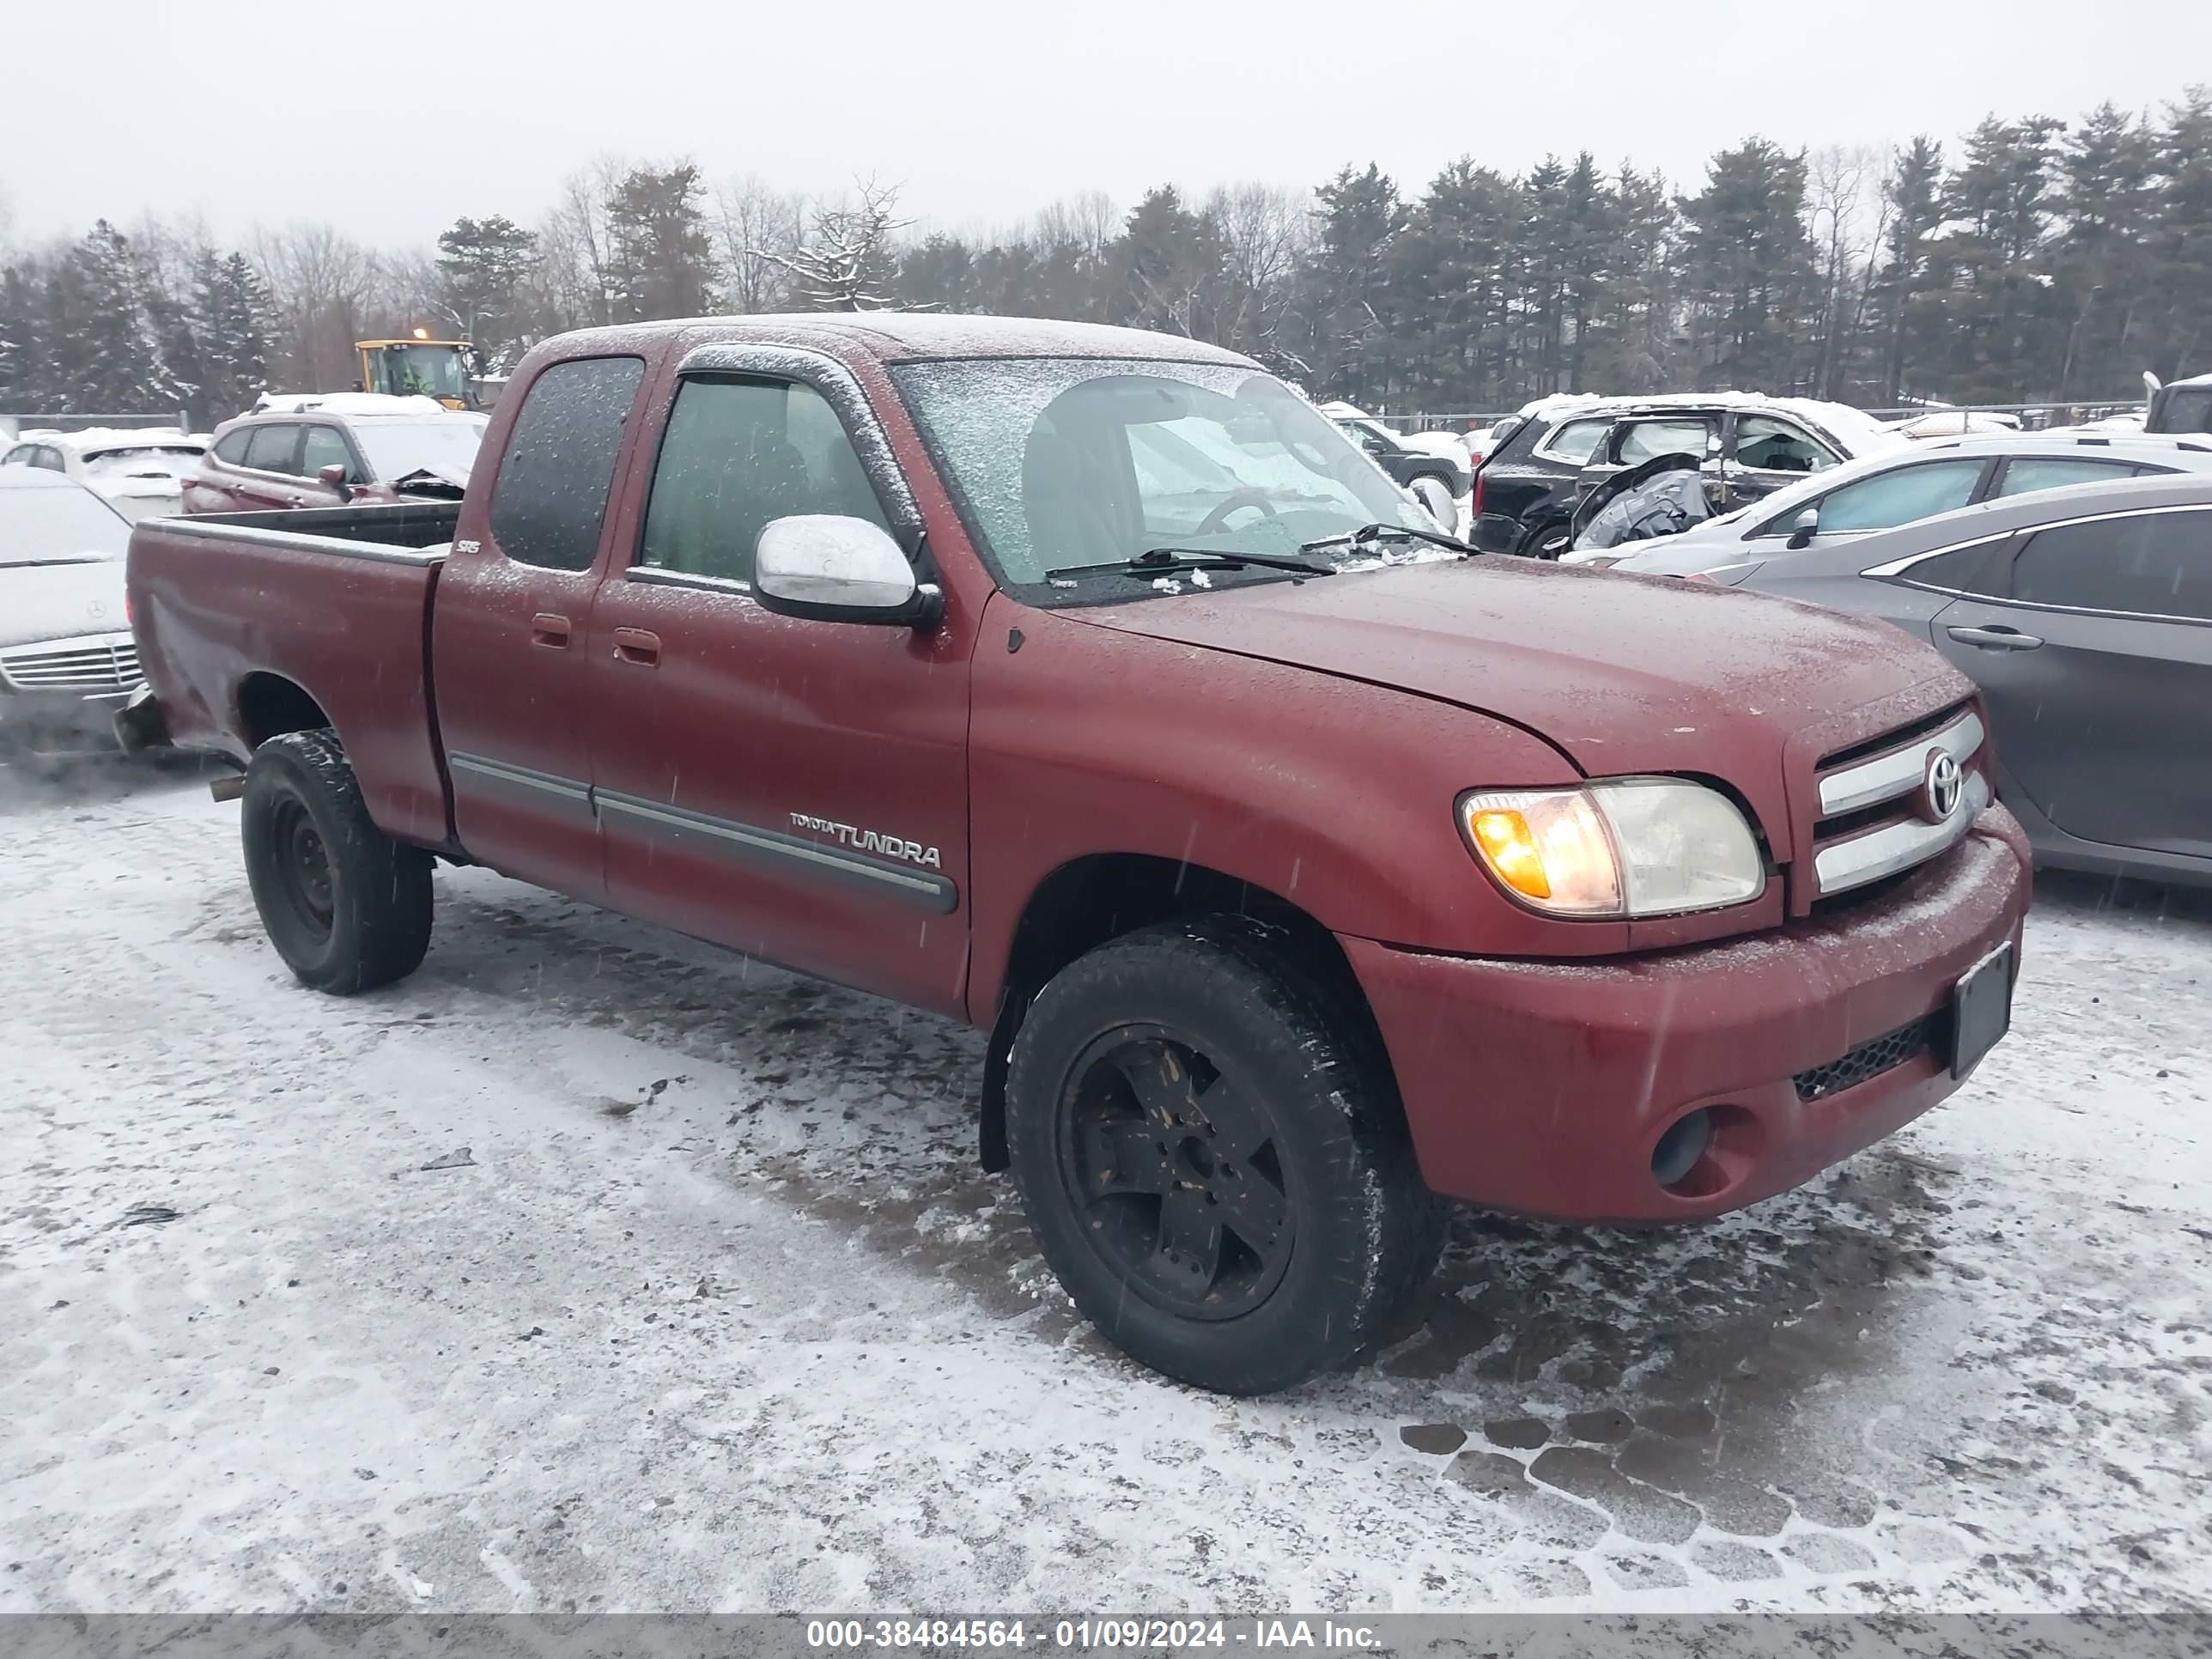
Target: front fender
{"x": 1331, "y": 794}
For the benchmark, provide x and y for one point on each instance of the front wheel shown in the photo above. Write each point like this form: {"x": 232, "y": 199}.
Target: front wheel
{"x": 347, "y": 907}
{"x": 1211, "y": 1162}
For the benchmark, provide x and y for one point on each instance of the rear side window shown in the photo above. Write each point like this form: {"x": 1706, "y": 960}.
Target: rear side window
{"x": 1643, "y": 440}
{"x": 231, "y": 447}
{"x": 738, "y": 454}
{"x": 2023, "y": 477}
{"x": 1574, "y": 441}
{"x": 551, "y": 494}
{"x": 1978, "y": 569}
{"x": 2154, "y": 564}
{"x": 271, "y": 448}
{"x": 1904, "y": 497}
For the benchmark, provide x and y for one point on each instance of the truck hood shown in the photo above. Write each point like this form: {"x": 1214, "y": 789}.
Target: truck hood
{"x": 39, "y": 602}
{"x": 1621, "y": 673}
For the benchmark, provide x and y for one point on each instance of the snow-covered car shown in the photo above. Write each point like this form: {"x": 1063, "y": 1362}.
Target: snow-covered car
{"x": 1955, "y": 423}
{"x": 1434, "y": 466}
{"x": 1882, "y": 493}
{"x": 346, "y": 447}
{"x": 67, "y": 659}
{"x": 140, "y": 470}
{"x": 1557, "y": 450}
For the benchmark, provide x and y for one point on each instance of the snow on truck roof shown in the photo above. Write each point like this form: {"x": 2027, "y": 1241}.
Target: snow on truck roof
{"x": 907, "y": 335}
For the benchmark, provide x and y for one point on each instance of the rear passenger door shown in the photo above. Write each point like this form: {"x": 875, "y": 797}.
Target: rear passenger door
{"x": 794, "y": 789}
{"x": 2092, "y": 647}
{"x": 510, "y": 625}
{"x": 269, "y": 474}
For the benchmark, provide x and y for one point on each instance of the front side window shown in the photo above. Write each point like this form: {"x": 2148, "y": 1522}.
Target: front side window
{"x": 550, "y": 497}
{"x": 1643, "y": 440}
{"x": 2023, "y": 477}
{"x": 271, "y": 448}
{"x": 739, "y": 453}
{"x": 1059, "y": 465}
{"x": 322, "y": 446}
{"x": 2150, "y": 564}
{"x": 1905, "y": 496}
{"x": 1772, "y": 446}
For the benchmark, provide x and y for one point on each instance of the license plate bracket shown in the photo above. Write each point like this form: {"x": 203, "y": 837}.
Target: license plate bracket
{"x": 1981, "y": 1010}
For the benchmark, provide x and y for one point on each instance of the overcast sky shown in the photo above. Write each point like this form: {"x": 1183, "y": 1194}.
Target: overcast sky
{"x": 389, "y": 118}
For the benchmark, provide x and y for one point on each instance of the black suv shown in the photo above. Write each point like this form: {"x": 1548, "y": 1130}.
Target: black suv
{"x": 1424, "y": 472}
{"x": 1544, "y": 459}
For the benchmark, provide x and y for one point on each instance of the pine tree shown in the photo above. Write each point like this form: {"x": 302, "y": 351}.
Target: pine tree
{"x": 483, "y": 264}
{"x": 1912, "y": 207}
{"x": 1358, "y": 215}
{"x": 661, "y": 261}
{"x": 2003, "y": 343}
{"x": 1171, "y": 263}
{"x": 2102, "y": 258}
{"x": 2181, "y": 248}
{"x": 1747, "y": 270}
{"x": 231, "y": 318}
{"x": 112, "y": 359}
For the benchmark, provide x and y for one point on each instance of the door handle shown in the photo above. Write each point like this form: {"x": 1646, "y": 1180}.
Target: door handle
{"x": 637, "y": 646}
{"x": 547, "y": 629}
{"x": 1998, "y": 638}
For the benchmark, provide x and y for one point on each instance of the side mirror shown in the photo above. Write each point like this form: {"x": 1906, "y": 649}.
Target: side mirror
{"x": 827, "y": 567}
{"x": 1375, "y": 446}
{"x": 334, "y": 475}
{"x": 1803, "y": 528}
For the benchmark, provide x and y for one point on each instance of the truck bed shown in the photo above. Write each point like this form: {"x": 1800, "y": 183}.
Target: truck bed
{"x": 253, "y": 623}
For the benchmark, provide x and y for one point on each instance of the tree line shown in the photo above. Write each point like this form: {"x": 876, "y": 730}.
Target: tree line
{"x": 2030, "y": 259}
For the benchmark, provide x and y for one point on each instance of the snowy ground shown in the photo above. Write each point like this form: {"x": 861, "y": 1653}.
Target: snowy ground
{"x": 716, "y": 1313}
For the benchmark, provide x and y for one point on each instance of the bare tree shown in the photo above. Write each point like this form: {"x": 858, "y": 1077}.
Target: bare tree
{"x": 845, "y": 260}
{"x": 1844, "y": 236}
{"x": 1264, "y": 231}
{"x": 323, "y": 284}
{"x": 757, "y": 228}
{"x": 578, "y": 240}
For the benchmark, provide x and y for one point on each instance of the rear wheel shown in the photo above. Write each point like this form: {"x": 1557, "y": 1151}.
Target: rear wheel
{"x": 1548, "y": 542}
{"x": 347, "y": 907}
{"x": 1212, "y": 1162}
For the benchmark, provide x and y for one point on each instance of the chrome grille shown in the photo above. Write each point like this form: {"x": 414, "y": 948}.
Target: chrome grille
{"x": 90, "y": 667}
{"x": 1872, "y": 821}
{"x": 1870, "y": 1060}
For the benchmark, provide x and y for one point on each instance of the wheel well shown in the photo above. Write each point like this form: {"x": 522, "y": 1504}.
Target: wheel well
{"x": 1084, "y": 903}
{"x": 269, "y": 705}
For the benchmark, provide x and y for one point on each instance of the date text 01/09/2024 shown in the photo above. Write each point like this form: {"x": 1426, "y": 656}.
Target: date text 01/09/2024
{"x": 1088, "y": 1635}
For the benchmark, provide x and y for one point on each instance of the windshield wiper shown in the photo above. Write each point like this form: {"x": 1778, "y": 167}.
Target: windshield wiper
{"x": 1371, "y": 532}
{"x": 1162, "y": 560}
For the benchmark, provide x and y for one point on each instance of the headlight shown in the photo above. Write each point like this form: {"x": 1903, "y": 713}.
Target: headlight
{"x": 1627, "y": 847}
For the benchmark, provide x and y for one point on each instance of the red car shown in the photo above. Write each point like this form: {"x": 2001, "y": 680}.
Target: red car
{"x": 1088, "y": 686}
{"x": 350, "y": 447}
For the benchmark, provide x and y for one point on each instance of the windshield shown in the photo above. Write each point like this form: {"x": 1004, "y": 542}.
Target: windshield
{"x": 396, "y": 448}
{"x": 428, "y": 370}
{"x": 1058, "y": 464}
{"x": 37, "y": 524}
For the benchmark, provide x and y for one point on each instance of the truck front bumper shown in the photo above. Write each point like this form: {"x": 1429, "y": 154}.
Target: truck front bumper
{"x": 1546, "y": 1088}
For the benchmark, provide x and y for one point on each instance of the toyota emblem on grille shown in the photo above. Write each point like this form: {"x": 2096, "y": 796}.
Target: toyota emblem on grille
{"x": 1941, "y": 786}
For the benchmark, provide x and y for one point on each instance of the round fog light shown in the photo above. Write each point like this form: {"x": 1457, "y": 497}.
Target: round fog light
{"x": 1681, "y": 1146}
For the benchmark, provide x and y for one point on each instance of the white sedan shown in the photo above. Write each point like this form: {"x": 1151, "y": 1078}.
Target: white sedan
{"x": 141, "y": 471}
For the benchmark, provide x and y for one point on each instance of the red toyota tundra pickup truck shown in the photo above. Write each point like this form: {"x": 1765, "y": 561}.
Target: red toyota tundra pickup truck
{"x": 1088, "y": 686}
